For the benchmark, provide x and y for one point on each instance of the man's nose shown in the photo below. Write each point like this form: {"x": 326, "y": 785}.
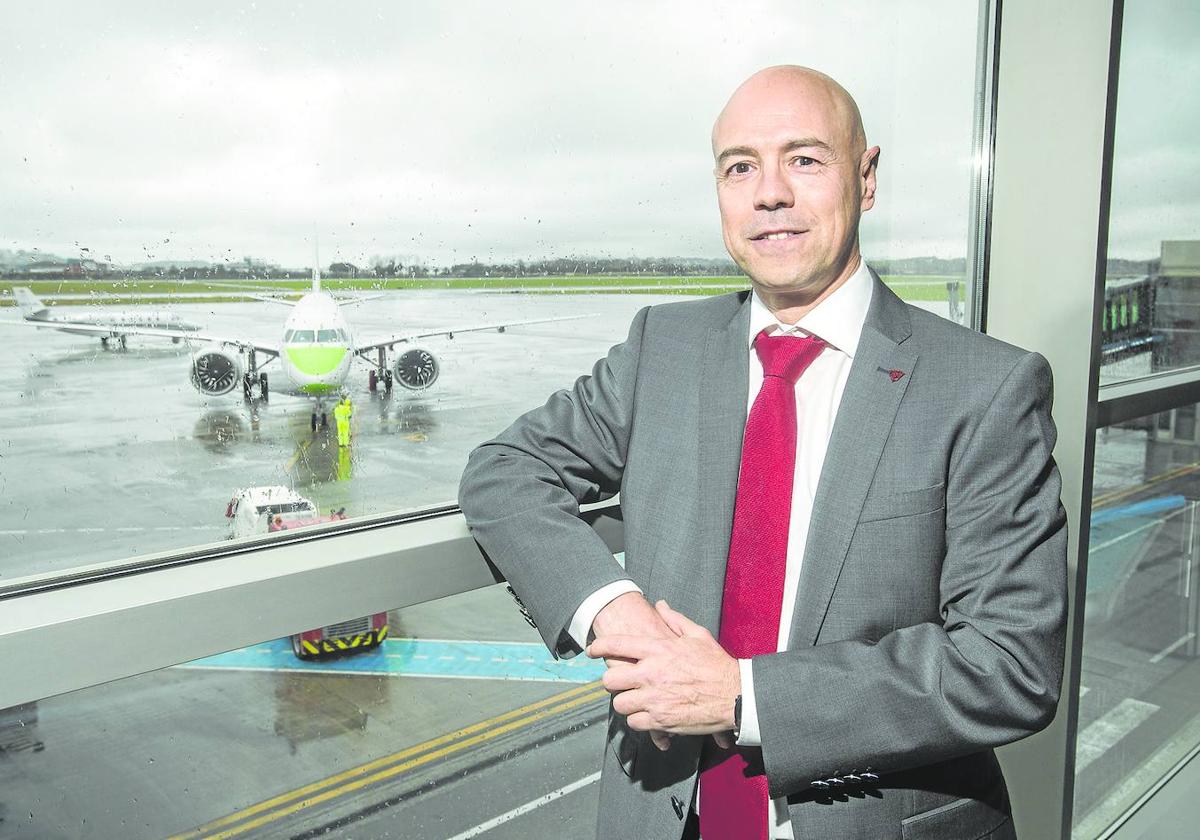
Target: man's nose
{"x": 774, "y": 191}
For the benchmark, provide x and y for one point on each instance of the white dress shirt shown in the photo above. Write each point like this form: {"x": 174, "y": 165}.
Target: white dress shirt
{"x": 838, "y": 320}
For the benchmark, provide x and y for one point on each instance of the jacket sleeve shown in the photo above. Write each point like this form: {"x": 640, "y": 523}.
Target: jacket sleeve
{"x": 521, "y": 491}
{"x": 990, "y": 671}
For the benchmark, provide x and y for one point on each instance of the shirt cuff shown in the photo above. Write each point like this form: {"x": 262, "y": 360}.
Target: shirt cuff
{"x": 748, "y": 734}
{"x": 581, "y": 625}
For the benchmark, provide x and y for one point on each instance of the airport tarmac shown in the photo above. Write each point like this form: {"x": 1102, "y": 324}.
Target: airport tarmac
{"x": 112, "y": 454}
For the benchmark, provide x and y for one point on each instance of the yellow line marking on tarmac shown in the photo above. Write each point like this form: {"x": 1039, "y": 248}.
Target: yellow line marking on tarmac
{"x": 300, "y": 450}
{"x": 384, "y": 768}
{"x": 1118, "y": 495}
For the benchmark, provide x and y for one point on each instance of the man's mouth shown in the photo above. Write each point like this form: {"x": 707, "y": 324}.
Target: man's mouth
{"x": 775, "y": 235}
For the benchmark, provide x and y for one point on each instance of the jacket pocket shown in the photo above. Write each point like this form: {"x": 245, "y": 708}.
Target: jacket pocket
{"x": 962, "y": 819}
{"x": 881, "y": 505}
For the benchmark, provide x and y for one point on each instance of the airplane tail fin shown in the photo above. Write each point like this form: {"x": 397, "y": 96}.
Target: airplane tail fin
{"x": 32, "y": 308}
{"x": 316, "y": 273}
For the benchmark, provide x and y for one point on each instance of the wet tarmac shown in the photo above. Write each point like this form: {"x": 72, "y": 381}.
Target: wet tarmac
{"x": 110, "y": 454}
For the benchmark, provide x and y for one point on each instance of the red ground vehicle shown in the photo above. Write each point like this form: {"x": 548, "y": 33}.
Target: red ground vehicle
{"x": 256, "y": 510}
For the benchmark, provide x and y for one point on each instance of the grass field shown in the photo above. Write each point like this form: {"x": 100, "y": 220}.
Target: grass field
{"x": 158, "y": 291}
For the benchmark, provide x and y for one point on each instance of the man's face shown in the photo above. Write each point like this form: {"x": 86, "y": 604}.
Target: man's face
{"x": 792, "y": 181}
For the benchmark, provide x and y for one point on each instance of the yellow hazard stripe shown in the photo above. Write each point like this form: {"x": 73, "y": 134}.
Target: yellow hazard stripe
{"x": 384, "y": 768}
{"x": 1117, "y": 495}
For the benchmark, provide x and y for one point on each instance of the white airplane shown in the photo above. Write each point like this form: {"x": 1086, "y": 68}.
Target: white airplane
{"x": 314, "y": 354}
{"x": 113, "y": 323}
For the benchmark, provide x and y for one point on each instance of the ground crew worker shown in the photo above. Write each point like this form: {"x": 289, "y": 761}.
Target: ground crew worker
{"x": 341, "y": 415}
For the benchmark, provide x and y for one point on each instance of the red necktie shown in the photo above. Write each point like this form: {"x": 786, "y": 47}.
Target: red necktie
{"x": 734, "y": 803}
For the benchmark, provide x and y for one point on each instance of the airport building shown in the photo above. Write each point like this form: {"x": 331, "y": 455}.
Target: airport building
{"x": 220, "y": 617}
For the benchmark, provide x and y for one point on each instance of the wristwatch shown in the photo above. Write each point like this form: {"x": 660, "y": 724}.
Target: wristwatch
{"x": 737, "y": 717}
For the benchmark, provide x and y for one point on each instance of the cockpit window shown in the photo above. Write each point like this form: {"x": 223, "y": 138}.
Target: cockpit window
{"x": 303, "y": 337}
{"x": 327, "y": 335}
{"x": 287, "y": 336}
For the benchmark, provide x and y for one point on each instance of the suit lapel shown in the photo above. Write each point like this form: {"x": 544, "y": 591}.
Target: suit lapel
{"x": 864, "y": 422}
{"x": 724, "y": 380}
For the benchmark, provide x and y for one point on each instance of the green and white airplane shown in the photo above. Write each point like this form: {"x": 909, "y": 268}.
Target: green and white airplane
{"x": 314, "y": 354}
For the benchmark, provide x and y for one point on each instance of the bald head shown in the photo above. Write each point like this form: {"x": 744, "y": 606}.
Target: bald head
{"x": 794, "y": 175}
{"x": 783, "y": 82}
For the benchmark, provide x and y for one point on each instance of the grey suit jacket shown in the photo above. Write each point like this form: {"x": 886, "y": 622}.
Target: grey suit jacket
{"x": 929, "y": 623}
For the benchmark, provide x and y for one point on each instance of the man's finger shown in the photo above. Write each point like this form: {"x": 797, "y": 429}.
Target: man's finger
{"x": 623, "y": 647}
{"x": 641, "y": 721}
{"x": 724, "y": 739}
{"x": 678, "y": 622}
{"x": 632, "y": 702}
{"x": 670, "y": 618}
{"x": 622, "y": 678}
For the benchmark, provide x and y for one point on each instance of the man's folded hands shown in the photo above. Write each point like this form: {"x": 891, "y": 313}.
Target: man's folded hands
{"x": 684, "y": 684}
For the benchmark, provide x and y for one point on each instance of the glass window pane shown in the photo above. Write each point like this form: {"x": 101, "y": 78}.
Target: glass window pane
{"x": 1137, "y": 714}
{"x": 457, "y": 717}
{"x": 1154, "y": 227}
{"x": 535, "y": 177}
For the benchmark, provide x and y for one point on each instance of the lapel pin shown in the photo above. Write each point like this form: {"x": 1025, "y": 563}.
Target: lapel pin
{"x": 895, "y": 375}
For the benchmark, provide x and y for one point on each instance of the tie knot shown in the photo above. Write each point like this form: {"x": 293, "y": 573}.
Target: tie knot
{"x": 786, "y": 356}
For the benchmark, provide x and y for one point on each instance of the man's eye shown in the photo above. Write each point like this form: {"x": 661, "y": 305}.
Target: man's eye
{"x": 740, "y": 168}
{"x": 804, "y": 161}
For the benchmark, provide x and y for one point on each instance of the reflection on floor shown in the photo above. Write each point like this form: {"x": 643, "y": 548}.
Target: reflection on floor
{"x": 420, "y": 658}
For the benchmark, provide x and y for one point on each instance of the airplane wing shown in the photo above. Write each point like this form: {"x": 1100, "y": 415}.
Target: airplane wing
{"x": 400, "y": 338}
{"x": 269, "y": 299}
{"x": 356, "y": 301}
{"x": 116, "y": 330}
{"x": 344, "y": 302}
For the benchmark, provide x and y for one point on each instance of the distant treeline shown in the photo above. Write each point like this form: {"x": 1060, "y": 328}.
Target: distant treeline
{"x": 557, "y": 267}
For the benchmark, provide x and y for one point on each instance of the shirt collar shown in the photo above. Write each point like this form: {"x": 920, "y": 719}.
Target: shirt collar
{"x": 838, "y": 319}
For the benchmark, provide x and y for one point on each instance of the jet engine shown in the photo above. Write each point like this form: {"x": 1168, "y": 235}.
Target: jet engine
{"x": 216, "y": 371}
{"x": 416, "y": 369}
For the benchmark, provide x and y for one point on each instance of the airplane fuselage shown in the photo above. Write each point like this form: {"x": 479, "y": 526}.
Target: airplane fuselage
{"x": 317, "y": 348}
{"x": 159, "y": 320}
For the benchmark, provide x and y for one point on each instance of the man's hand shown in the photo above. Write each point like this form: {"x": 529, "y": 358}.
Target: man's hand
{"x": 630, "y": 614}
{"x": 684, "y": 684}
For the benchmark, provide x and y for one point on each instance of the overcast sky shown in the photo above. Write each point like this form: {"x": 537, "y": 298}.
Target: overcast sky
{"x": 1156, "y": 161}
{"x": 451, "y": 131}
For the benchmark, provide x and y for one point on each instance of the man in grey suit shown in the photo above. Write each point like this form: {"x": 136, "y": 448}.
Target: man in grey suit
{"x": 899, "y": 525}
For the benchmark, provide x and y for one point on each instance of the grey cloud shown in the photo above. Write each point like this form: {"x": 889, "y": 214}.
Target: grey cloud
{"x": 448, "y": 130}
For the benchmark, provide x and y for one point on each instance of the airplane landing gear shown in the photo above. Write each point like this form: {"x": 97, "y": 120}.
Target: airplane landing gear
{"x": 312, "y": 423}
{"x": 255, "y": 387}
{"x": 254, "y": 382}
{"x": 380, "y": 373}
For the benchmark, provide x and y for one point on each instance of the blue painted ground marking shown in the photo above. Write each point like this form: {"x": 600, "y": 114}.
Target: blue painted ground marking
{"x": 440, "y": 658}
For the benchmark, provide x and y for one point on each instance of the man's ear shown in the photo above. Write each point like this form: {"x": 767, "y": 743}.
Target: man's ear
{"x": 867, "y": 168}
